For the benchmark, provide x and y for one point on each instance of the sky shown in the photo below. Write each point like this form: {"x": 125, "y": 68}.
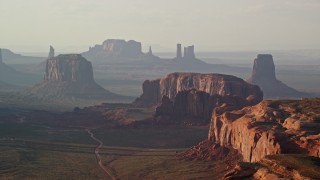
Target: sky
{"x": 211, "y": 25}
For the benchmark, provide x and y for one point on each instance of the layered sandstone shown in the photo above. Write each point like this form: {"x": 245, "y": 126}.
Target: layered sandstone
{"x": 263, "y": 75}
{"x": 271, "y": 127}
{"x": 71, "y": 76}
{"x": 212, "y": 84}
{"x": 190, "y": 106}
{"x": 69, "y": 68}
{"x": 191, "y": 97}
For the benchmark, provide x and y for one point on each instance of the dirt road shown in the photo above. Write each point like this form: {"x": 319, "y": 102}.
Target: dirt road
{"x": 96, "y": 151}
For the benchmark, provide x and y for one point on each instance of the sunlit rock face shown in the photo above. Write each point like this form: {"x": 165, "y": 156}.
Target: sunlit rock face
{"x": 263, "y": 75}
{"x": 212, "y": 84}
{"x": 268, "y": 128}
{"x": 71, "y": 76}
{"x": 191, "y": 97}
{"x": 70, "y": 67}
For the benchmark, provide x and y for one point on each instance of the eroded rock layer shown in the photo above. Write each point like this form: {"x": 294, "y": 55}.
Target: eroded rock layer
{"x": 69, "y": 68}
{"x": 271, "y": 127}
{"x": 71, "y": 76}
{"x": 212, "y": 84}
{"x": 191, "y": 97}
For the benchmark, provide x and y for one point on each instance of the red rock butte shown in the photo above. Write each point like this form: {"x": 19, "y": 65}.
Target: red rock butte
{"x": 194, "y": 95}
{"x": 71, "y": 76}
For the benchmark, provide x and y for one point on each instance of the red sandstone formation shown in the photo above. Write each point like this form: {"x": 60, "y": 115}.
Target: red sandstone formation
{"x": 71, "y": 76}
{"x": 213, "y": 84}
{"x": 271, "y": 127}
{"x": 191, "y": 97}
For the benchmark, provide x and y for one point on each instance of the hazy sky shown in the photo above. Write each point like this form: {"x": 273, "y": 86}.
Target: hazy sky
{"x": 212, "y": 25}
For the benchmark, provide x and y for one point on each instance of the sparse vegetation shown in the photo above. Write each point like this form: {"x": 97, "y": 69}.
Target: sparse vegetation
{"x": 153, "y": 137}
{"x": 25, "y": 163}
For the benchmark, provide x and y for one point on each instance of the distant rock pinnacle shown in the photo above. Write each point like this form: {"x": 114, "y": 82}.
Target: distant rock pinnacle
{"x": 150, "y": 50}
{"x": 179, "y": 51}
{"x": 0, "y": 55}
{"x": 51, "y": 52}
{"x": 189, "y": 52}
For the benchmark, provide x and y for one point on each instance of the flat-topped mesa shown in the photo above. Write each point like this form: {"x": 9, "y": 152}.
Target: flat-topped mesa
{"x": 117, "y": 48}
{"x": 263, "y": 75}
{"x": 69, "y": 67}
{"x": 213, "y": 84}
{"x": 192, "y": 96}
{"x": 51, "y": 52}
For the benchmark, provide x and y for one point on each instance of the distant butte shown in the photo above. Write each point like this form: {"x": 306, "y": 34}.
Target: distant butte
{"x": 263, "y": 75}
{"x": 71, "y": 76}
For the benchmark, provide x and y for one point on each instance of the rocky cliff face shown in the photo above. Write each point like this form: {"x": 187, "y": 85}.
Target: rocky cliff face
{"x": 212, "y": 84}
{"x": 271, "y": 127}
{"x": 190, "y": 106}
{"x": 71, "y": 76}
{"x": 263, "y": 75}
{"x": 263, "y": 68}
{"x": 191, "y": 97}
{"x": 71, "y": 67}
